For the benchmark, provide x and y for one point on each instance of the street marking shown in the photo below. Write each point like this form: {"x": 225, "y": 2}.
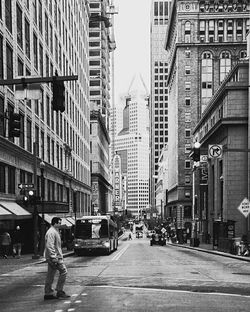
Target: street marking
{"x": 84, "y": 294}
{"x": 71, "y": 309}
{"x": 120, "y": 253}
{"x": 172, "y": 290}
{"x": 58, "y": 310}
{"x": 74, "y": 295}
{"x": 78, "y": 301}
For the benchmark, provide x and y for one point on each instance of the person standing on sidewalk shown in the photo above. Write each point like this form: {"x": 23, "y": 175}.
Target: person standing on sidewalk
{"x": 54, "y": 257}
{"x": 17, "y": 241}
{"x": 5, "y": 242}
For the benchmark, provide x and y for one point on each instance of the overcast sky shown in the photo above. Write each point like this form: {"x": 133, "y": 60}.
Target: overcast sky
{"x": 132, "y": 35}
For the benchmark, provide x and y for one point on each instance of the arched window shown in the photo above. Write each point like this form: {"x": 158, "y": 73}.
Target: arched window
{"x": 187, "y": 32}
{"x": 225, "y": 64}
{"x": 206, "y": 79}
{"x": 243, "y": 54}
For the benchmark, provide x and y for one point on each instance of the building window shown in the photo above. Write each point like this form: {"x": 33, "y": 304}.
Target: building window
{"x": 187, "y": 86}
{"x": 11, "y": 179}
{"x": 187, "y": 133}
{"x": 48, "y": 149}
{"x": 187, "y": 53}
{"x": 211, "y": 31}
{"x": 9, "y": 58}
{"x": 187, "y": 164}
{"x": 21, "y": 138}
{"x": 35, "y": 47}
{"x": 187, "y": 101}
{"x": 187, "y": 70}
{"x": 187, "y": 32}
{"x": 29, "y": 135}
{"x": 1, "y": 57}
{"x": 40, "y": 16}
{"x": 187, "y": 117}
{"x": 187, "y": 179}
{"x": 2, "y": 178}
{"x": 19, "y": 23}
{"x": 202, "y": 31}
{"x": 230, "y": 30}
{"x": 243, "y": 54}
{"x": 1, "y": 116}
{"x": 220, "y": 30}
{"x": 187, "y": 148}
{"x": 19, "y": 67}
{"x": 225, "y": 64}
{"x": 206, "y": 79}
{"x": 27, "y": 38}
{"x": 8, "y": 15}
{"x": 41, "y": 59}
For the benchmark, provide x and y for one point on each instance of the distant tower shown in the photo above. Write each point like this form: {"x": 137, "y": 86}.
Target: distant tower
{"x": 132, "y": 144}
{"x": 159, "y": 91}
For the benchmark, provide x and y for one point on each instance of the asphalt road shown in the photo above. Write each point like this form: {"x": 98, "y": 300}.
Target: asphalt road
{"x": 137, "y": 277}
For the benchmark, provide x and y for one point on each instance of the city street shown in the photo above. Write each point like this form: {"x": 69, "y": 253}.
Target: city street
{"x": 137, "y": 277}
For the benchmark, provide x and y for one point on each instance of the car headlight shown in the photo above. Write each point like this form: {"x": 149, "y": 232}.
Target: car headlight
{"x": 106, "y": 244}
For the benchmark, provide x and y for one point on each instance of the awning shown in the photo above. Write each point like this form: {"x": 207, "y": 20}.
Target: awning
{"x": 49, "y": 217}
{"x": 5, "y": 214}
{"x": 16, "y": 210}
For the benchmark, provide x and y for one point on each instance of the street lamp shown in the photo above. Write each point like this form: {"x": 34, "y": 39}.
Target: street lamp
{"x": 42, "y": 167}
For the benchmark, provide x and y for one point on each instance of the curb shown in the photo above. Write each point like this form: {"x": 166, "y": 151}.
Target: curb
{"x": 215, "y": 252}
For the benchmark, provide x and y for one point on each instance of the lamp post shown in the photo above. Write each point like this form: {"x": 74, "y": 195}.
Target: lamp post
{"x": 42, "y": 243}
{"x": 196, "y": 158}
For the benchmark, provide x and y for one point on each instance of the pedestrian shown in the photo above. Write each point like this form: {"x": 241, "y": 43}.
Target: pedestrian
{"x": 17, "y": 241}
{"x": 54, "y": 257}
{"x": 5, "y": 241}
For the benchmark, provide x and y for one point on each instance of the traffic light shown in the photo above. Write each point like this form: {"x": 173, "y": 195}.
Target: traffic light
{"x": 196, "y": 151}
{"x": 58, "y": 102}
{"x": 14, "y": 125}
{"x": 30, "y": 198}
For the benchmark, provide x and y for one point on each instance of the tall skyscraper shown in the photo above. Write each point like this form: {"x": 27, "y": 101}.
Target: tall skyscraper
{"x": 132, "y": 145}
{"x": 159, "y": 91}
{"x": 40, "y": 38}
{"x": 101, "y": 45}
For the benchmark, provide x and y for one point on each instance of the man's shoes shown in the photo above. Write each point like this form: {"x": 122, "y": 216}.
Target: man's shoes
{"x": 49, "y": 297}
{"x": 62, "y": 295}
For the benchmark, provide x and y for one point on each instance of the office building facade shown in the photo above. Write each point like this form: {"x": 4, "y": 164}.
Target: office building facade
{"x": 204, "y": 39}
{"x": 39, "y": 38}
{"x": 159, "y": 92}
{"x": 101, "y": 46}
{"x": 132, "y": 145}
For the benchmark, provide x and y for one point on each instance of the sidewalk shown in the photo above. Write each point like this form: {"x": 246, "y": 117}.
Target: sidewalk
{"x": 10, "y": 264}
{"x": 208, "y": 248}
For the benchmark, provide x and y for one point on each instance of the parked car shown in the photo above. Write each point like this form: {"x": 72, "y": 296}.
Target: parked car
{"x": 158, "y": 239}
{"x": 150, "y": 233}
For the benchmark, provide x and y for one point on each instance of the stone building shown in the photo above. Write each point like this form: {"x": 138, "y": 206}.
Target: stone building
{"x": 223, "y": 134}
{"x": 205, "y": 40}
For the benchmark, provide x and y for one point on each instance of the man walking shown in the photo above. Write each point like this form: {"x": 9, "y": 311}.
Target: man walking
{"x": 17, "y": 242}
{"x": 54, "y": 258}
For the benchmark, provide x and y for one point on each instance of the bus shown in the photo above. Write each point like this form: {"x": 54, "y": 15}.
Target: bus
{"x": 95, "y": 233}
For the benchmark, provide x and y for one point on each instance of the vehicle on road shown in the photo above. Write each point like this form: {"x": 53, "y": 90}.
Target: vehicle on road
{"x": 158, "y": 239}
{"x": 150, "y": 233}
{"x": 139, "y": 234}
{"x": 95, "y": 234}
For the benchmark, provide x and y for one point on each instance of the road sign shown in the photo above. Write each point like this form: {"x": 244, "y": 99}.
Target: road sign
{"x": 244, "y": 207}
{"x": 215, "y": 151}
{"x": 25, "y": 186}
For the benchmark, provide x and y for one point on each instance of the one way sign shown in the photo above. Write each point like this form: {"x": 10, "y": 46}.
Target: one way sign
{"x": 215, "y": 151}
